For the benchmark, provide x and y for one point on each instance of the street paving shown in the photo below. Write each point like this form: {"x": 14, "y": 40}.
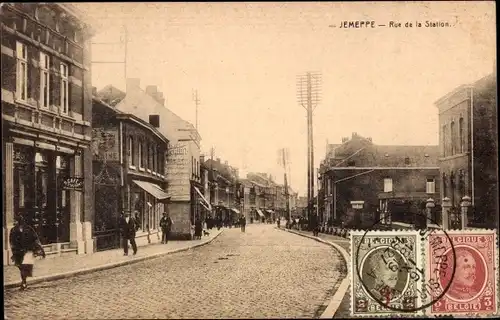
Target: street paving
{"x": 263, "y": 273}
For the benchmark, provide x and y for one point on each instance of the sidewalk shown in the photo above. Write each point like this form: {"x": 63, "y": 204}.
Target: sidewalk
{"x": 343, "y": 242}
{"x": 72, "y": 265}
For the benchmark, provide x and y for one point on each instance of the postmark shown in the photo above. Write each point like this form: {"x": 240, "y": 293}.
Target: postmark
{"x": 473, "y": 286}
{"x": 387, "y": 273}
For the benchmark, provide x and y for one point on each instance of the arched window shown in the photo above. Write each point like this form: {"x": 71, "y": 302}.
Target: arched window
{"x": 462, "y": 134}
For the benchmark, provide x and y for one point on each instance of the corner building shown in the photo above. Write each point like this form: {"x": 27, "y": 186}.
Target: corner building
{"x": 46, "y": 119}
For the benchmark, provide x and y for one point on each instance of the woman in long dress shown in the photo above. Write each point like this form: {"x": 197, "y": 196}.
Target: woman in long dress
{"x": 25, "y": 247}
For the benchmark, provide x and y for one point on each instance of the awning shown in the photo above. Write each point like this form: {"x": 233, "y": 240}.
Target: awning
{"x": 260, "y": 213}
{"x": 236, "y": 210}
{"x": 152, "y": 189}
{"x": 203, "y": 198}
{"x": 204, "y": 205}
{"x": 270, "y": 211}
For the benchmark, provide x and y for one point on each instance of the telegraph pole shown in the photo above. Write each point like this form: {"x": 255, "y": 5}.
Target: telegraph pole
{"x": 308, "y": 95}
{"x": 284, "y": 162}
{"x": 197, "y": 103}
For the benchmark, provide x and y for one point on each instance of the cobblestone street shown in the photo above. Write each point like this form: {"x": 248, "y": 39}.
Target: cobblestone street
{"x": 262, "y": 273}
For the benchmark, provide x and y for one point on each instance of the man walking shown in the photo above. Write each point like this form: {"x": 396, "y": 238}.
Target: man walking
{"x": 243, "y": 222}
{"x": 129, "y": 226}
{"x": 166, "y": 226}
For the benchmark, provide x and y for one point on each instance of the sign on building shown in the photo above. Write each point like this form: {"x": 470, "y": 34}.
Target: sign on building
{"x": 105, "y": 144}
{"x": 178, "y": 172}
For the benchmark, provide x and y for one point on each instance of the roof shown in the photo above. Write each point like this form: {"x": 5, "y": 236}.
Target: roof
{"x": 394, "y": 156}
{"x": 224, "y": 169}
{"x": 128, "y": 116}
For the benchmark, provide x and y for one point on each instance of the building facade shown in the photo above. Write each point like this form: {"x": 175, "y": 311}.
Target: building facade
{"x": 468, "y": 138}
{"x": 46, "y": 117}
{"x": 182, "y": 161}
{"x": 129, "y": 174}
{"x": 364, "y": 183}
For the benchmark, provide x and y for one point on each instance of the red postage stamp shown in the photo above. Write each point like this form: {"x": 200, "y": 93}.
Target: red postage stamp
{"x": 462, "y": 272}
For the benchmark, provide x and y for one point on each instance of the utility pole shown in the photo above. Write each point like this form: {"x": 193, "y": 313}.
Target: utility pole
{"x": 123, "y": 42}
{"x": 287, "y": 206}
{"x": 197, "y": 103}
{"x": 308, "y": 95}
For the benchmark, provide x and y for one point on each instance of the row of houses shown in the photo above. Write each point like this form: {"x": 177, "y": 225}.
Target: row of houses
{"x": 363, "y": 181}
{"x": 75, "y": 158}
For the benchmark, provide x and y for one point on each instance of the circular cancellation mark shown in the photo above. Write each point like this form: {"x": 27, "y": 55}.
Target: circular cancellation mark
{"x": 430, "y": 283}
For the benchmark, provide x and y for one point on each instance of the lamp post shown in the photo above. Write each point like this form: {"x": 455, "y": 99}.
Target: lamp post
{"x": 464, "y": 205}
{"x": 446, "y": 205}
{"x": 428, "y": 208}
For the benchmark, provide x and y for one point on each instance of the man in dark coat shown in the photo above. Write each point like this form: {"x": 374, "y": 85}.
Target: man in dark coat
{"x": 166, "y": 226}
{"x": 243, "y": 222}
{"x": 129, "y": 226}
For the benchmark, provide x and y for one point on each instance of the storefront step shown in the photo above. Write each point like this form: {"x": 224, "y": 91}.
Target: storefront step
{"x": 53, "y": 247}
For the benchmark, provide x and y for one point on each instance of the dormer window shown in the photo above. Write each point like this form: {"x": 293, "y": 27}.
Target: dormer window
{"x": 351, "y": 163}
{"x": 407, "y": 160}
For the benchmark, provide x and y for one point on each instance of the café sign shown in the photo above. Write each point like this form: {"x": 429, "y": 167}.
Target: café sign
{"x": 72, "y": 183}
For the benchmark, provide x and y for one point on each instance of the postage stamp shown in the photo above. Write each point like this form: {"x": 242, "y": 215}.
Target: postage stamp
{"x": 387, "y": 273}
{"x": 467, "y": 266}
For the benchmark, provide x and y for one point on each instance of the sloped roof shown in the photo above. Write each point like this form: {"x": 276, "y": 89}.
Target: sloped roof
{"x": 220, "y": 167}
{"x": 111, "y": 95}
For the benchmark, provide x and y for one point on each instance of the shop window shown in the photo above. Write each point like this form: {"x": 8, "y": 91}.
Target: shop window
{"x": 64, "y": 89}
{"x": 41, "y": 179}
{"x": 21, "y": 71}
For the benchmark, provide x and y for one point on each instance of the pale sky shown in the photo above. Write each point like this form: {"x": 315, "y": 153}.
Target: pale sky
{"x": 244, "y": 59}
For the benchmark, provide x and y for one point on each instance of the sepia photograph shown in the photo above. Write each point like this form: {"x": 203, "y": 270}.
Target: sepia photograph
{"x": 266, "y": 160}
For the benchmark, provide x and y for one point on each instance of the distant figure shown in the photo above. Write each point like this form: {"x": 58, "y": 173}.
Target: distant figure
{"x": 166, "y": 226}
{"x": 279, "y": 222}
{"x": 198, "y": 228}
{"x": 243, "y": 222}
{"x": 129, "y": 226}
{"x": 25, "y": 246}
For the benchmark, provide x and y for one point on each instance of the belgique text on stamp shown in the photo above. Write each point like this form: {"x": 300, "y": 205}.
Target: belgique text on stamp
{"x": 386, "y": 273}
{"x": 473, "y": 273}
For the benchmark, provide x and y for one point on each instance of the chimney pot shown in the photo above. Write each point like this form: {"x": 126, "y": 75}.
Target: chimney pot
{"x": 133, "y": 84}
{"x": 226, "y": 163}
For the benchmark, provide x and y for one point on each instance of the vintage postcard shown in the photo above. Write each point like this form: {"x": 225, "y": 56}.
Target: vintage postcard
{"x": 201, "y": 160}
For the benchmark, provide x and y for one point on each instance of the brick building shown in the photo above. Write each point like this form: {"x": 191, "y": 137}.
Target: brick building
{"x": 46, "y": 118}
{"x": 129, "y": 174}
{"x": 364, "y": 181}
{"x": 469, "y": 148}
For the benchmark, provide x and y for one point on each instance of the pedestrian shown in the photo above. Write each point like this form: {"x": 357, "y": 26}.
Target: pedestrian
{"x": 198, "y": 228}
{"x": 129, "y": 226}
{"x": 279, "y": 221}
{"x": 166, "y": 226}
{"x": 243, "y": 222}
{"x": 25, "y": 246}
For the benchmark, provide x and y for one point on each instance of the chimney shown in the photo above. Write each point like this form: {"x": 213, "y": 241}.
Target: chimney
{"x": 151, "y": 90}
{"x": 218, "y": 160}
{"x": 133, "y": 84}
{"x": 94, "y": 91}
{"x": 162, "y": 101}
{"x": 369, "y": 139}
{"x": 202, "y": 158}
{"x": 345, "y": 139}
{"x": 154, "y": 120}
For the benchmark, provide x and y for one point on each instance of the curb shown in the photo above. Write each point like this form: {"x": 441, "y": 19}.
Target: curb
{"x": 111, "y": 265}
{"x": 336, "y": 300}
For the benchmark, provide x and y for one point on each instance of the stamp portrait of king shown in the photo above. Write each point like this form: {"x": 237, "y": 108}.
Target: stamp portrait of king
{"x": 467, "y": 267}
{"x": 384, "y": 277}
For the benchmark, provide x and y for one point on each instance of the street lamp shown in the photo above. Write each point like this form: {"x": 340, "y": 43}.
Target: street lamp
{"x": 465, "y": 205}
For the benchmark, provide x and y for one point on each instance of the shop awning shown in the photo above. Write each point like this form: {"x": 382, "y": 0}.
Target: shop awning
{"x": 270, "y": 211}
{"x": 152, "y": 189}
{"x": 203, "y": 198}
{"x": 236, "y": 210}
{"x": 260, "y": 213}
{"x": 204, "y": 205}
